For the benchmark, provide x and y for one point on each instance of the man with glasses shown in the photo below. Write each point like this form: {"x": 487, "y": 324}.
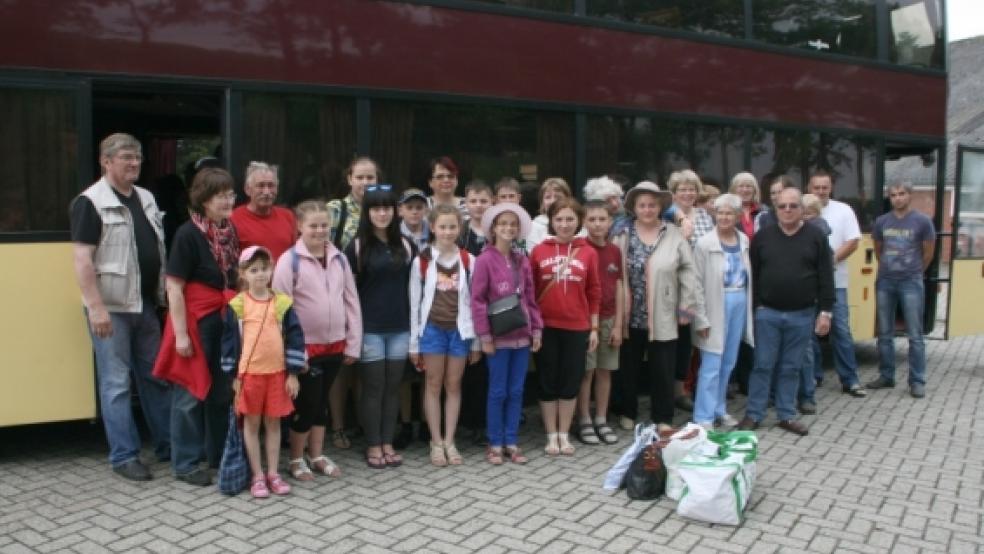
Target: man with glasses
{"x": 118, "y": 243}
{"x": 904, "y": 245}
{"x": 259, "y": 222}
{"x": 792, "y": 276}
{"x": 844, "y": 238}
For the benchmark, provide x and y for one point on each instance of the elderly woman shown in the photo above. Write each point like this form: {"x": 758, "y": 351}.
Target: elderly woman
{"x": 660, "y": 293}
{"x": 746, "y": 188}
{"x": 724, "y": 311}
{"x": 201, "y": 278}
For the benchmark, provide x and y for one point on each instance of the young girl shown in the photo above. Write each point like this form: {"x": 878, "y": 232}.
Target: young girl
{"x": 565, "y": 271}
{"x": 499, "y": 272}
{"x": 320, "y": 281}
{"x": 551, "y": 190}
{"x": 380, "y": 259}
{"x": 441, "y": 332}
{"x": 263, "y": 337}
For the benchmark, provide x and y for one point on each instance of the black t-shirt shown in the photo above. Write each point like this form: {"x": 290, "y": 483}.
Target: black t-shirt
{"x": 383, "y": 292}
{"x": 191, "y": 259}
{"x": 86, "y": 227}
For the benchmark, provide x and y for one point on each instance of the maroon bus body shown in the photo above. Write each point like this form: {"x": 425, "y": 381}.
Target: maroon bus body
{"x": 395, "y": 46}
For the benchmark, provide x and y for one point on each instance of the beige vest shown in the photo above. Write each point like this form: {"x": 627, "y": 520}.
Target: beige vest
{"x": 115, "y": 258}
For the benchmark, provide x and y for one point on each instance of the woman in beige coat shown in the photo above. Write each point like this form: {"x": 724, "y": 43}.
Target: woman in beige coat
{"x": 661, "y": 289}
{"x": 724, "y": 310}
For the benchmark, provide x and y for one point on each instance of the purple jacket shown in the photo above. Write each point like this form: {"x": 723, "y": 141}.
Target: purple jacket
{"x": 492, "y": 279}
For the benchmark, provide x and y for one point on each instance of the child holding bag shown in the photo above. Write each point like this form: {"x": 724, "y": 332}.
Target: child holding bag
{"x": 508, "y": 324}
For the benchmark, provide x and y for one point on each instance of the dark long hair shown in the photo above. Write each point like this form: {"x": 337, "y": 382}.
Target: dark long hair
{"x": 366, "y": 238}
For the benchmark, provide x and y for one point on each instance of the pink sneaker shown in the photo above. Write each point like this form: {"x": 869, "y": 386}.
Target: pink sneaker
{"x": 278, "y": 485}
{"x": 259, "y": 488}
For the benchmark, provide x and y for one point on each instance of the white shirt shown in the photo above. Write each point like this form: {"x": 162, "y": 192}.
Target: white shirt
{"x": 843, "y": 228}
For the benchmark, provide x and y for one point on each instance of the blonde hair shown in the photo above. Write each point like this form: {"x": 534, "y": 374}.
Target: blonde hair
{"x": 444, "y": 209}
{"x": 308, "y": 207}
{"x": 555, "y": 184}
{"x": 812, "y": 203}
{"x": 684, "y": 177}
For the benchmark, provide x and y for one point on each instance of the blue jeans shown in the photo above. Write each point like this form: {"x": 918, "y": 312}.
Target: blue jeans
{"x": 911, "y": 295}
{"x": 385, "y": 346}
{"x": 715, "y": 369}
{"x": 507, "y": 375}
{"x": 808, "y": 374}
{"x": 780, "y": 339}
{"x": 132, "y": 348}
{"x": 842, "y": 343}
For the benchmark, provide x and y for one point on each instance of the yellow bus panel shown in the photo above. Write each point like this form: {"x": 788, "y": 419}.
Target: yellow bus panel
{"x": 48, "y": 365}
{"x": 966, "y": 286}
{"x": 862, "y": 269}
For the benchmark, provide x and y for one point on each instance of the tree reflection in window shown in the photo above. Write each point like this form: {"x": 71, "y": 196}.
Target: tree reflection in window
{"x": 714, "y": 17}
{"x": 834, "y": 26}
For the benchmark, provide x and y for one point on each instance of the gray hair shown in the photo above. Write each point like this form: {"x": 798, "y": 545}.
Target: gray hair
{"x": 745, "y": 177}
{"x": 601, "y": 188}
{"x": 684, "y": 177}
{"x": 904, "y": 185}
{"x": 116, "y": 142}
{"x": 728, "y": 200}
{"x": 255, "y": 167}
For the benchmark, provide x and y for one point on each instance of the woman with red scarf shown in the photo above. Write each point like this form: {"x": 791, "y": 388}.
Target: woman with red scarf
{"x": 201, "y": 278}
{"x": 746, "y": 187}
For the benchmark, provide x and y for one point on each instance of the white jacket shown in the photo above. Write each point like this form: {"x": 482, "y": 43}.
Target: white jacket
{"x": 422, "y": 298}
{"x": 710, "y": 263}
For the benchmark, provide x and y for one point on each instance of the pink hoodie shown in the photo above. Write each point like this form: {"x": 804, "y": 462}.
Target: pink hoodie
{"x": 325, "y": 298}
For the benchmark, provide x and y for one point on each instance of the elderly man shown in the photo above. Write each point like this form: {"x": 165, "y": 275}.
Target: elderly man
{"x": 904, "y": 244}
{"x": 119, "y": 259}
{"x": 259, "y": 222}
{"x": 844, "y": 238}
{"x": 792, "y": 276}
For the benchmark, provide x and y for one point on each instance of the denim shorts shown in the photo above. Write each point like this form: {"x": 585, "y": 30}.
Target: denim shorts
{"x": 435, "y": 340}
{"x": 385, "y": 346}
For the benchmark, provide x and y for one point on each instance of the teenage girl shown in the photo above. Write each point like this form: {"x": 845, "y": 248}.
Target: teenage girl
{"x": 501, "y": 271}
{"x": 441, "y": 331}
{"x": 318, "y": 277}
{"x": 380, "y": 259}
{"x": 262, "y": 341}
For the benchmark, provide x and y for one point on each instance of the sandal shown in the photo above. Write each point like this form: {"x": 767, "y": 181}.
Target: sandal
{"x": 392, "y": 458}
{"x": 325, "y": 466}
{"x": 515, "y": 455}
{"x": 566, "y": 448}
{"x": 586, "y": 433}
{"x": 259, "y": 488}
{"x": 340, "y": 440}
{"x": 375, "y": 462}
{"x": 437, "y": 456}
{"x": 607, "y": 434}
{"x": 454, "y": 457}
{"x": 299, "y": 470}
{"x": 494, "y": 456}
{"x": 552, "y": 448}
{"x": 277, "y": 484}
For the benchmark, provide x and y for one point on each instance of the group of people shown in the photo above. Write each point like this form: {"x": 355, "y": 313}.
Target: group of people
{"x": 277, "y": 313}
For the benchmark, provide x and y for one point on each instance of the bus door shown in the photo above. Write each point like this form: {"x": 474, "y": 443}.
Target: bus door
{"x": 967, "y": 266}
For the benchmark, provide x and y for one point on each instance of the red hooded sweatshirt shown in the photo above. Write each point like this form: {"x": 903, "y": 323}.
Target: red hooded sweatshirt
{"x": 574, "y": 298}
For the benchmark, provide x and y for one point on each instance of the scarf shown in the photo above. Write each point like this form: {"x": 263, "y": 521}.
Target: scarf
{"x": 222, "y": 240}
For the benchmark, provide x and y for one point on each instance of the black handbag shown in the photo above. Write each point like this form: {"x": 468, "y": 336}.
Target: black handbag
{"x": 506, "y": 314}
{"x": 646, "y": 477}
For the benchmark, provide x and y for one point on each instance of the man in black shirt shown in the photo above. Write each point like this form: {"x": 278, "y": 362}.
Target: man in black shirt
{"x": 119, "y": 259}
{"x": 792, "y": 276}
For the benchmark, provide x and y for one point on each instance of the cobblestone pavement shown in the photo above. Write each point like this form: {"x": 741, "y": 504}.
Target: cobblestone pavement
{"x": 887, "y": 473}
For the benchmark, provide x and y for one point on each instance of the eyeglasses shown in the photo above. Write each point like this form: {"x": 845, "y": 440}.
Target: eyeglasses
{"x": 787, "y": 206}
{"x": 130, "y": 157}
{"x": 443, "y": 177}
{"x": 381, "y": 188}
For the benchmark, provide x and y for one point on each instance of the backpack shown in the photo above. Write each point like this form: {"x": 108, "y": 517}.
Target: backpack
{"x": 425, "y": 259}
{"x": 295, "y": 263}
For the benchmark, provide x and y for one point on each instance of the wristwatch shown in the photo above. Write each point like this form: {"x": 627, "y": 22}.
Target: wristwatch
{"x": 827, "y": 315}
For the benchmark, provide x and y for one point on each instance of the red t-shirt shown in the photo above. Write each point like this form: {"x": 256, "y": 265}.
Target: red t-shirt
{"x": 276, "y": 231}
{"x": 609, "y": 273}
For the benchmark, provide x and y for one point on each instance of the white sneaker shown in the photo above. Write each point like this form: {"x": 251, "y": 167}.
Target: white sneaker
{"x": 626, "y": 423}
{"x": 727, "y": 420}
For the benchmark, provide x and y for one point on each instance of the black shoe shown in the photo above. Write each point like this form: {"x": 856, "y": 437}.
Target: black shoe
{"x": 856, "y": 390}
{"x": 481, "y": 438}
{"x": 880, "y": 383}
{"x": 404, "y": 437}
{"x": 747, "y": 424}
{"x": 807, "y": 408}
{"x": 684, "y": 403}
{"x": 133, "y": 470}
{"x": 198, "y": 477}
{"x": 917, "y": 390}
{"x": 794, "y": 427}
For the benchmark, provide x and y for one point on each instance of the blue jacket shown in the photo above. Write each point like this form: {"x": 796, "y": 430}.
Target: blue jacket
{"x": 290, "y": 327}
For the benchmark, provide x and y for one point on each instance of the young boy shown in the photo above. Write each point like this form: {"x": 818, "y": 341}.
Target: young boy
{"x": 413, "y": 216}
{"x": 263, "y": 343}
{"x": 507, "y": 190}
{"x": 604, "y": 360}
{"x": 478, "y": 198}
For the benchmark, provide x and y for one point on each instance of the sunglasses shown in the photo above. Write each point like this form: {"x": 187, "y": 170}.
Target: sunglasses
{"x": 787, "y": 206}
{"x": 381, "y": 188}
